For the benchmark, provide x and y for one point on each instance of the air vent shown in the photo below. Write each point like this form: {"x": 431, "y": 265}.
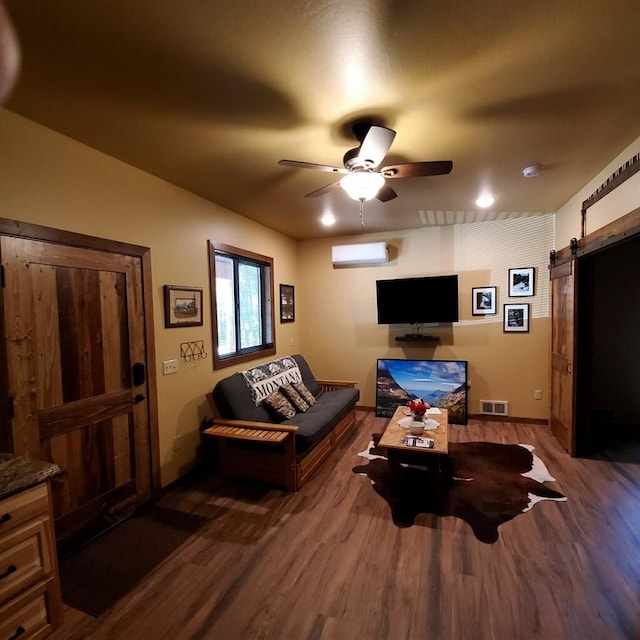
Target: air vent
{"x": 494, "y": 407}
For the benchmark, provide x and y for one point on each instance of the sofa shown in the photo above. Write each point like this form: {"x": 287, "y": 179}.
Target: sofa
{"x": 256, "y": 443}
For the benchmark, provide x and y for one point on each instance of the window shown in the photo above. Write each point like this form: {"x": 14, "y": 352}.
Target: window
{"x": 242, "y": 310}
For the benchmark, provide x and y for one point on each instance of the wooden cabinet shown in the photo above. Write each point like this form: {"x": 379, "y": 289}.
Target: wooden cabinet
{"x": 30, "y": 602}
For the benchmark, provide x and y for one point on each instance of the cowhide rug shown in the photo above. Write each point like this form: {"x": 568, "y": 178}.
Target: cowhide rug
{"x": 490, "y": 484}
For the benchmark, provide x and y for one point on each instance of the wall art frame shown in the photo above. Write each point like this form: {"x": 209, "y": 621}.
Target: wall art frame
{"x": 522, "y": 282}
{"x": 182, "y": 306}
{"x": 484, "y": 301}
{"x": 441, "y": 383}
{"x": 287, "y": 303}
{"x": 516, "y": 318}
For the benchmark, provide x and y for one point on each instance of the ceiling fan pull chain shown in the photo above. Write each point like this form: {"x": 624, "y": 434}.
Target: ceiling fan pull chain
{"x": 362, "y": 212}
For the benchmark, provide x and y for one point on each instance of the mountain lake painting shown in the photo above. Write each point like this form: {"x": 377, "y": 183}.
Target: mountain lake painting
{"x": 441, "y": 383}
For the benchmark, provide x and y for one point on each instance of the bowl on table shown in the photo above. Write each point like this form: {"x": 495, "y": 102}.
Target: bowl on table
{"x": 416, "y": 428}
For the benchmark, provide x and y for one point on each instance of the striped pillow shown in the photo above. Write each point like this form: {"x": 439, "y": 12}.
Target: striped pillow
{"x": 279, "y": 405}
{"x": 302, "y": 389}
{"x": 294, "y": 397}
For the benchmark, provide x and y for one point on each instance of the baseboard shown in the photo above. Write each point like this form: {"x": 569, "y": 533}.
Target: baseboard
{"x": 490, "y": 418}
{"x": 187, "y": 478}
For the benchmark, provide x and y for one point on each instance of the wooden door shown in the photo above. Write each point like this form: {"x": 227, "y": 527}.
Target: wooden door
{"x": 563, "y": 353}
{"x": 74, "y": 324}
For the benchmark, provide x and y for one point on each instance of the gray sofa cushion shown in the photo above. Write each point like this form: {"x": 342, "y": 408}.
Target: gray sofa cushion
{"x": 233, "y": 396}
{"x": 233, "y": 399}
{"x": 307, "y": 376}
{"x": 319, "y": 420}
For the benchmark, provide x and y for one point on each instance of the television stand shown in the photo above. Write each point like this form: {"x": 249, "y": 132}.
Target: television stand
{"x": 417, "y": 337}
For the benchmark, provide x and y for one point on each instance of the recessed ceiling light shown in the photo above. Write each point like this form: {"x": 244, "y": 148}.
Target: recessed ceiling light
{"x": 485, "y": 201}
{"x": 328, "y": 219}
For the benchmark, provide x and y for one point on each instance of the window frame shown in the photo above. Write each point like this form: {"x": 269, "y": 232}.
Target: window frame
{"x": 268, "y": 307}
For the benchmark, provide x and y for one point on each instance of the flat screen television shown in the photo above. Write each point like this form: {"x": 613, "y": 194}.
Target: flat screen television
{"x": 423, "y": 300}
{"x": 441, "y": 383}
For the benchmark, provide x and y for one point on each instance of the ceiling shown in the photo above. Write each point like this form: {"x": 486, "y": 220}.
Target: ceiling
{"x": 210, "y": 95}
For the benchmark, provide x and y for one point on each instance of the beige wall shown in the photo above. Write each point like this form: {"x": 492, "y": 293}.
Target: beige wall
{"x": 619, "y": 202}
{"x": 337, "y": 309}
{"x": 49, "y": 179}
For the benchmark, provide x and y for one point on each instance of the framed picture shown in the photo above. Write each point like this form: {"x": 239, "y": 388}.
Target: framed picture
{"x": 287, "y": 303}
{"x": 516, "y": 318}
{"x": 441, "y": 383}
{"x": 483, "y": 300}
{"x": 521, "y": 282}
{"x": 182, "y": 306}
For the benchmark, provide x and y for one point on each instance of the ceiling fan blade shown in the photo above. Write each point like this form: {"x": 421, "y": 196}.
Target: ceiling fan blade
{"x": 311, "y": 165}
{"x": 375, "y": 146}
{"x": 417, "y": 169}
{"x": 323, "y": 190}
{"x": 386, "y": 193}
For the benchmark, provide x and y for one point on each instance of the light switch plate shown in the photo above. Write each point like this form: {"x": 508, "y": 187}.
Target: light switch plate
{"x": 169, "y": 367}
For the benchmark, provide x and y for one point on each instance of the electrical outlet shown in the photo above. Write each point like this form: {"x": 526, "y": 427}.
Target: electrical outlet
{"x": 291, "y": 342}
{"x": 169, "y": 367}
{"x": 537, "y": 394}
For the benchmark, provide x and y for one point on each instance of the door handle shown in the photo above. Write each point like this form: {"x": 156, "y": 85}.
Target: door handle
{"x": 138, "y": 398}
{"x": 19, "y": 631}
{"x": 138, "y": 374}
{"x": 10, "y": 569}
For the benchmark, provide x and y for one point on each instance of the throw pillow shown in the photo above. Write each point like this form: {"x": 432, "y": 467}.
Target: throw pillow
{"x": 280, "y": 405}
{"x": 294, "y": 397}
{"x": 302, "y": 389}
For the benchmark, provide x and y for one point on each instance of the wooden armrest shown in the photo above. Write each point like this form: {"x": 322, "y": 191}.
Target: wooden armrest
{"x": 249, "y": 430}
{"x": 254, "y": 435}
{"x": 250, "y": 424}
{"x": 332, "y": 385}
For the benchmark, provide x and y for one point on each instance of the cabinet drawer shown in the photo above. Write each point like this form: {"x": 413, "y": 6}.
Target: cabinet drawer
{"x": 24, "y": 558}
{"x": 22, "y": 507}
{"x": 26, "y": 616}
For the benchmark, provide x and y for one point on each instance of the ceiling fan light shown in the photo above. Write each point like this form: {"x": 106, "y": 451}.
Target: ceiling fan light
{"x": 362, "y": 185}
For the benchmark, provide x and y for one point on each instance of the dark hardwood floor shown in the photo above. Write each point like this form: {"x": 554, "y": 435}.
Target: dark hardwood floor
{"x": 328, "y": 562}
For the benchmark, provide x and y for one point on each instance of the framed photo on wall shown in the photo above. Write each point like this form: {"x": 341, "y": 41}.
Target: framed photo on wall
{"x": 521, "y": 282}
{"x": 182, "y": 306}
{"x": 287, "y": 303}
{"x": 516, "y": 318}
{"x": 483, "y": 300}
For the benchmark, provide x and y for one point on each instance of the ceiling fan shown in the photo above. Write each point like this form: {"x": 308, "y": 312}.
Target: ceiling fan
{"x": 363, "y": 180}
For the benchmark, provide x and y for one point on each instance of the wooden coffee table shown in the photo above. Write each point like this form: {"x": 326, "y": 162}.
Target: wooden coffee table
{"x": 400, "y": 456}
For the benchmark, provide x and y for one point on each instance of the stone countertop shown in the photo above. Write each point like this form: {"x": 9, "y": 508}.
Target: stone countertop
{"x": 18, "y": 473}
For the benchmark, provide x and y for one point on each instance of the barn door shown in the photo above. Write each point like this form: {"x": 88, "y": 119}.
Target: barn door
{"x": 76, "y": 361}
{"x": 563, "y": 329}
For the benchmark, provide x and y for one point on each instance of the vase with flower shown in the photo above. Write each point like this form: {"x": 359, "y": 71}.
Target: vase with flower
{"x": 418, "y": 408}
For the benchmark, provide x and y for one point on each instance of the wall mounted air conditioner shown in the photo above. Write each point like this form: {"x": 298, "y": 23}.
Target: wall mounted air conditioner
{"x": 355, "y": 254}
